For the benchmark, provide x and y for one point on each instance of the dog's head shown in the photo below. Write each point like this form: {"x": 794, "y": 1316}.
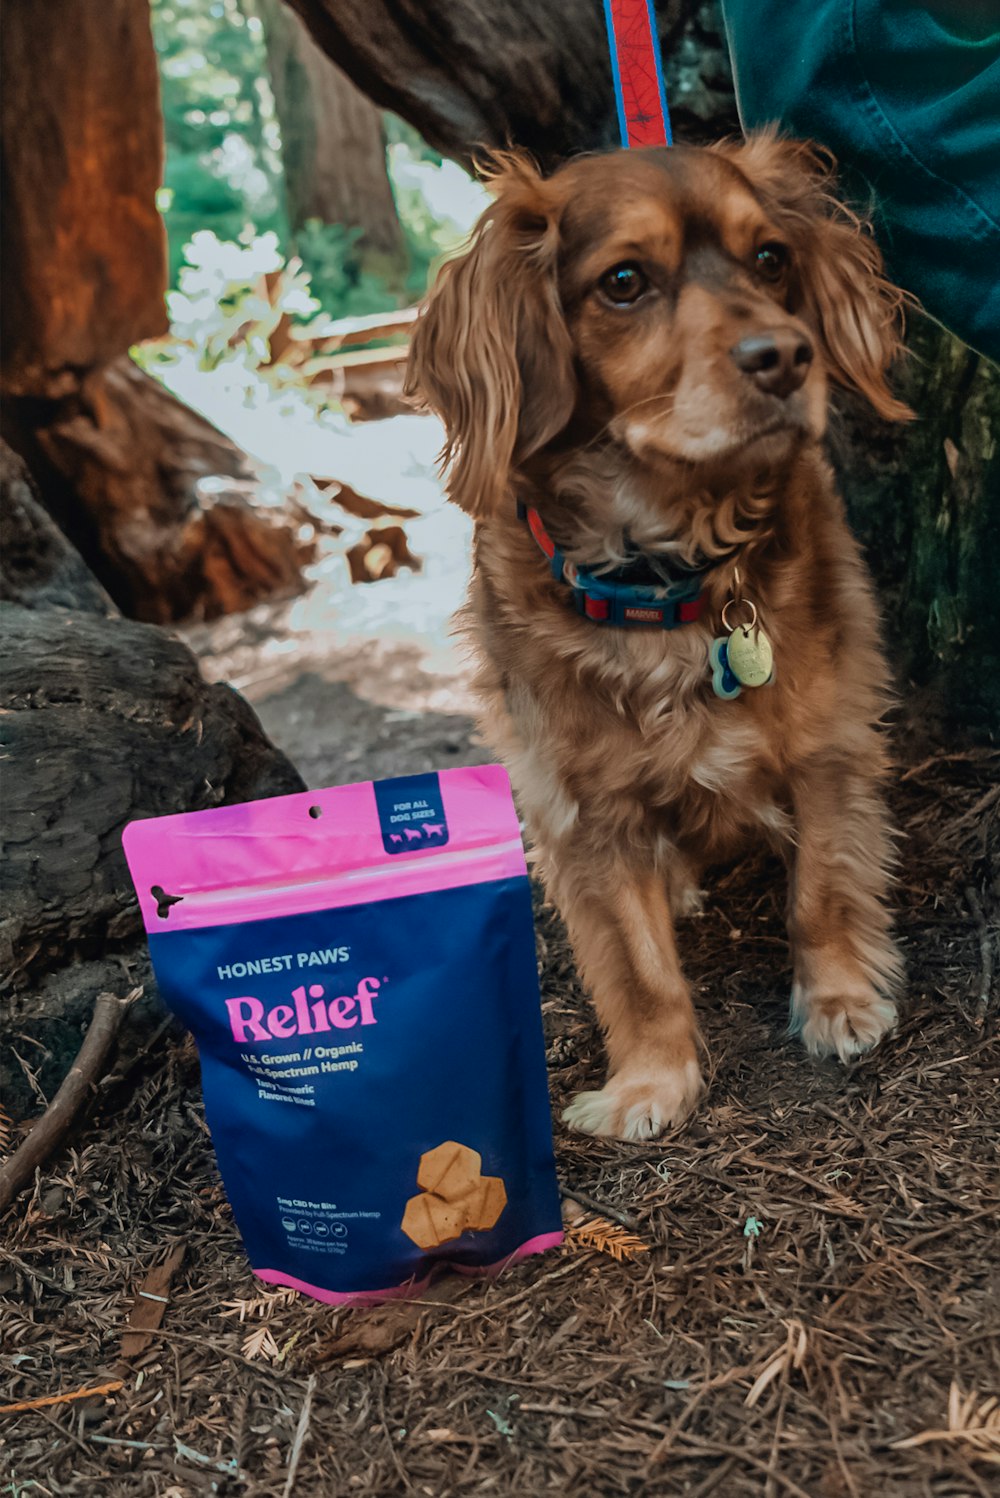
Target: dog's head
{"x": 692, "y": 303}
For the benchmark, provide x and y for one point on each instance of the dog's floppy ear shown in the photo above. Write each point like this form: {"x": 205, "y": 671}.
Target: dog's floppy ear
{"x": 491, "y": 353}
{"x": 855, "y": 310}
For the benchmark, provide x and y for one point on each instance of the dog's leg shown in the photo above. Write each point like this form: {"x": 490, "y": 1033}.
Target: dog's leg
{"x": 846, "y": 966}
{"x": 684, "y": 889}
{"x": 622, "y": 932}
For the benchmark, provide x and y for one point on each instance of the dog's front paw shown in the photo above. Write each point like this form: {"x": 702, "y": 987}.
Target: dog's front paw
{"x": 689, "y": 900}
{"x": 841, "y": 1024}
{"x": 635, "y": 1107}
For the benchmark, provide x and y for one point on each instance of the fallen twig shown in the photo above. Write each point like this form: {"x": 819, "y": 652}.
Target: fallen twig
{"x": 971, "y": 1419}
{"x": 299, "y": 1440}
{"x": 938, "y": 759}
{"x": 51, "y": 1399}
{"x": 975, "y": 904}
{"x": 791, "y": 1355}
{"x": 47, "y": 1132}
{"x": 599, "y": 1208}
{"x": 973, "y": 818}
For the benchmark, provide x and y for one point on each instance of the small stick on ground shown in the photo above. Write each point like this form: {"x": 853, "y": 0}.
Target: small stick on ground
{"x": 299, "y": 1439}
{"x": 603, "y": 1209}
{"x": 975, "y": 904}
{"x": 82, "y": 1076}
{"x": 48, "y": 1400}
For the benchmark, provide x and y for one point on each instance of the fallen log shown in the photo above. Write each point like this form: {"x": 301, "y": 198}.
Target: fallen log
{"x": 172, "y": 516}
{"x": 101, "y": 720}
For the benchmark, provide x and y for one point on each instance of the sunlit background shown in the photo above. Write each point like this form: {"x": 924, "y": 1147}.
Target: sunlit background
{"x": 293, "y": 209}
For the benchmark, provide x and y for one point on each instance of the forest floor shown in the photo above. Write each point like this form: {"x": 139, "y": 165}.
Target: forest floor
{"x": 817, "y": 1266}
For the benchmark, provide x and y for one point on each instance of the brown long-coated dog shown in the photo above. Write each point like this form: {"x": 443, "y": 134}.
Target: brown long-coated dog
{"x": 640, "y": 348}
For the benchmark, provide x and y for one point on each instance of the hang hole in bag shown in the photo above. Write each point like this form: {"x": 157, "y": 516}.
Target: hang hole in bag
{"x": 163, "y": 900}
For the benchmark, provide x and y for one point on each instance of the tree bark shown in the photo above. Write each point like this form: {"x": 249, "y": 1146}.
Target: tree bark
{"x": 38, "y": 566}
{"x": 332, "y": 140}
{"x": 924, "y": 499}
{"x": 925, "y": 502}
{"x": 105, "y": 720}
{"x": 84, "y": 251}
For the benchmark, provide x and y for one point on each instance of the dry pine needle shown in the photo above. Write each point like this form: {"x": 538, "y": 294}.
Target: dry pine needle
{"x": 607, "y": 1237}
{"x": 971, "y": 1419}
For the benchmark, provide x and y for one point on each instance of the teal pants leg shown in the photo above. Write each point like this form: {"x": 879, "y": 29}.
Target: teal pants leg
{"x": 907, "y": 96}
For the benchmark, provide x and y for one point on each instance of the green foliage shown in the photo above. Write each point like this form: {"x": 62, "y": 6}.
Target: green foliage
{"x": 232, "y": 297}
{"x": 223, "y": 169}
{"x": 223, "y": 195}
{"x": 341, "y": 279}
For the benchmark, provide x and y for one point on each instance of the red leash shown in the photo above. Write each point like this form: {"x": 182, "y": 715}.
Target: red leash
{"x": 638, "y": 73}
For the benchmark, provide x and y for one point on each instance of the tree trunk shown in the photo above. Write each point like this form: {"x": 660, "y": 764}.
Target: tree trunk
{"x": 152, "y": 494}
{"x": 332, "y": 141}
{"x": 84, "y": 251}
{"x": 924, "y": 499}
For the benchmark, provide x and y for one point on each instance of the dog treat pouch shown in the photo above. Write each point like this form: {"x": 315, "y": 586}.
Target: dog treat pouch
{"x": 357, "y": 966}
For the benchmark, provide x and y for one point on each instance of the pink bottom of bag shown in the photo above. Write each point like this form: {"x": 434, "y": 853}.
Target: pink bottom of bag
{"x": 412, "y": 1287}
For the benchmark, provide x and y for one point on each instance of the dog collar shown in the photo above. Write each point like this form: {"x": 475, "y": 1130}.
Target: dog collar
{"x": 606, "y": 598}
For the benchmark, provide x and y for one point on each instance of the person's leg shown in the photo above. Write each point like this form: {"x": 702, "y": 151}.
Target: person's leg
{"x": 907, "y": 96}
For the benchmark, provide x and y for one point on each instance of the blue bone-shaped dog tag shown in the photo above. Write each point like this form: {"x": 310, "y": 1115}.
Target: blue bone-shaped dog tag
{"x": 724, "y": 682}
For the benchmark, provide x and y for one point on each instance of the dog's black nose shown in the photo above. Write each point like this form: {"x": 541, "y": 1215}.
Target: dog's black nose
{"x": 777, "y": 361}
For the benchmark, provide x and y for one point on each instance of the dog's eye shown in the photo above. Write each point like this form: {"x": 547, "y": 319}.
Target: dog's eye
{"x": 623, "y": 284}
{"x": 771, "y": 261}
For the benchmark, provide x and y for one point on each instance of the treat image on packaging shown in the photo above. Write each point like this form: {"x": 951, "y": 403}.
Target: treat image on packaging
{"x": 357, "y": 966}
{"x": 455, "y": 1197}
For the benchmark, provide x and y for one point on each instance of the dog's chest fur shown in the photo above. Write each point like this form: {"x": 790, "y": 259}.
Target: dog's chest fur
{"x": 620, "y": 729}
{"x": 630, "y": 739}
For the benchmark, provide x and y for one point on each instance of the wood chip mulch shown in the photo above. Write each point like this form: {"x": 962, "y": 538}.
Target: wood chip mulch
{"x": 796, "y": 1294}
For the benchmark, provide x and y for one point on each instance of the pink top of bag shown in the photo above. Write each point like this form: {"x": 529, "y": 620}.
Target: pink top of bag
{"x": 322, "y": 849}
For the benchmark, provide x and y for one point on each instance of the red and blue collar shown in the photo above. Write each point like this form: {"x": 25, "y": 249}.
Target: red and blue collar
{"x": 608, "y": 599}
